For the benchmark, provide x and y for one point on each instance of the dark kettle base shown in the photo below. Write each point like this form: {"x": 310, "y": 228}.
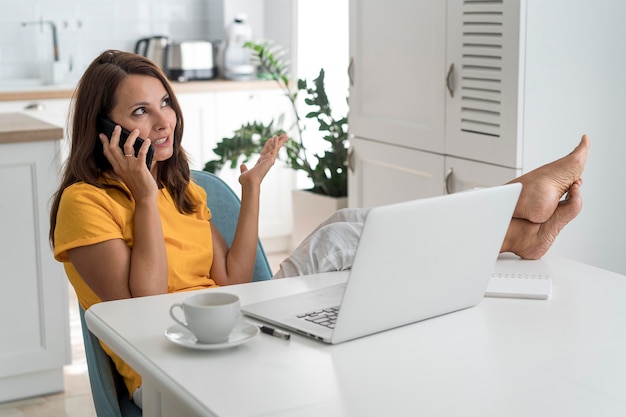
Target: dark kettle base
{"x": 182, "y": 75}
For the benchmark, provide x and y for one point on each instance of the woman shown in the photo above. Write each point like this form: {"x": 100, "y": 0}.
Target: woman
{"x": 123, "y": 230}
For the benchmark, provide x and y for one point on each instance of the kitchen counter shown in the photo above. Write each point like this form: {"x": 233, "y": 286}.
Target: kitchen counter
{"x": 35, "y": 347}
{"x": 20, "y": 127}
{"x": 35, "y": 92}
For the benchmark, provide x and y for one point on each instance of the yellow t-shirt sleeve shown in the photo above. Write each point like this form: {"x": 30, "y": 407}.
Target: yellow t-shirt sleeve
{"x": 88, "y": 215}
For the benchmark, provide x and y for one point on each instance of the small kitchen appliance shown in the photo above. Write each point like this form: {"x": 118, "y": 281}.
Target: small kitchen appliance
{"x": 237, "y": 58}
{"x": 153, "y": 48}
{"x": 190, "y": 60}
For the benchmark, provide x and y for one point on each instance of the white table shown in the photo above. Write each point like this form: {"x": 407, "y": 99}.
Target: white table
{"x": 505, "y": 357}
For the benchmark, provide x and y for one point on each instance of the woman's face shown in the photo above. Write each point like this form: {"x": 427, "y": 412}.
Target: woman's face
{"x": 141, "y": 102}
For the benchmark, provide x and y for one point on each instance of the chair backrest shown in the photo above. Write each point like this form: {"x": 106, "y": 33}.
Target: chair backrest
{"x": 224, "y": 205}
{"x": 110, "y": 396}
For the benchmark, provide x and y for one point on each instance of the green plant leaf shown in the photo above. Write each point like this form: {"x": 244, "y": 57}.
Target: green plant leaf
{"x": 327, "y": 171}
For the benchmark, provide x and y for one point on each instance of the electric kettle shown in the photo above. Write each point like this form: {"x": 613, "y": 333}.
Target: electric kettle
{"x": 236, "y": 57}
{"x": 153, "y": 48}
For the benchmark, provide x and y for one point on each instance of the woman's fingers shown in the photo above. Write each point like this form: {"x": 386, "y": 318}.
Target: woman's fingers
{"x": 274, "y": 143}
{"x": 129, "y": 144}
{"x": 125, "y": 154}
{"x": 265, "y": 162}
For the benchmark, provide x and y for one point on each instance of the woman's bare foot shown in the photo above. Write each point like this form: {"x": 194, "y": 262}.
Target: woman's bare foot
{"x": 531, "y": 240}
{"x": 543, "y": 187}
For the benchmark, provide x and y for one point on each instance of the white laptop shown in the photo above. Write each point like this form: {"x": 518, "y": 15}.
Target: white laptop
{"x": 415, "y": 260}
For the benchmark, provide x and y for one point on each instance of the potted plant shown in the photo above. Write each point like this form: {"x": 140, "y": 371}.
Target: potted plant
{"x": 325, "y": 166}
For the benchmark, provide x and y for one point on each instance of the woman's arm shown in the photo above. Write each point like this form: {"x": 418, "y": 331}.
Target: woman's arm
{"x": 111, "y": 268}
{"x": 236, "y": 265}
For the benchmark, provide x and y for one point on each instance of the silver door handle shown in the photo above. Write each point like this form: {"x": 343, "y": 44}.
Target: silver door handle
{"x": 351, "y": 71}
{"x": 351, "y": 160}
{"x": 449, "y": 80}
{"x": 35, "y": 106}
{"x": 446, "y": 182}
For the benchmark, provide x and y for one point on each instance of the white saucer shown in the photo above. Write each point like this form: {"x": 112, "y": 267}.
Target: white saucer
{"x": 242, "y": 333}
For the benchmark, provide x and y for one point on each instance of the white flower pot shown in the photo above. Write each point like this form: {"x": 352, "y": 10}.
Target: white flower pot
{"x": 309, "y": 210}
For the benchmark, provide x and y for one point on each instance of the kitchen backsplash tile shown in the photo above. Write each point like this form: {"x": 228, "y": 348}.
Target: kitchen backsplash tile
{"x": 85, "y": 28}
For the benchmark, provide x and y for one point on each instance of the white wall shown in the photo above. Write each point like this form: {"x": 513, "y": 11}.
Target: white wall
{"x": 579, "y": 78}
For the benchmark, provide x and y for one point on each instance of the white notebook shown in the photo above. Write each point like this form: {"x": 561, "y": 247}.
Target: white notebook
{"x": 513, "y": 277}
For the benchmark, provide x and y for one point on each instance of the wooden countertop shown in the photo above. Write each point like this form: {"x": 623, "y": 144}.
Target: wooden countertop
{"x": 20, "y": 127}
{"x": 56, "y": 92}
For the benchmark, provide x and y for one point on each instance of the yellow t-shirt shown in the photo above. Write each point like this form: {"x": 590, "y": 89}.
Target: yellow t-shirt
{"x": 88, "y": 215}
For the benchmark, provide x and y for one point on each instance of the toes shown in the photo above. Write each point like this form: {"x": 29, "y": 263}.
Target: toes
{"x": 583, "y": 146}
{"x": 569, "y": 208}
{"x": 566, "y": 211}
{"x": 544, "y": 186}
{"x": 531, "y": 241}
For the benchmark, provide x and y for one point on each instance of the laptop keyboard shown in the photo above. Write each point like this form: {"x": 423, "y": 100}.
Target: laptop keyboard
{"x": 325, "y": 317}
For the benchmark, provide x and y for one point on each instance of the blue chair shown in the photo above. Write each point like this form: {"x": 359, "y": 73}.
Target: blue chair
{"x": 110, "y": 396}
{"x": 224, "y": 205}
{"x": 109, "y": 393}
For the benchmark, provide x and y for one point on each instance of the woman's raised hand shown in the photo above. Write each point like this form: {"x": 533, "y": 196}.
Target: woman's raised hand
{"x": 266, "y": 160}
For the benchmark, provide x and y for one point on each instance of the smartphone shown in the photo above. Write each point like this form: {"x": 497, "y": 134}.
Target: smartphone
{"x": 106, "y": 126}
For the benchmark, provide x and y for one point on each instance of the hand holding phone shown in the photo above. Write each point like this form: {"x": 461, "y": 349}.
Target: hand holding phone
{"x": 106, "y": 126}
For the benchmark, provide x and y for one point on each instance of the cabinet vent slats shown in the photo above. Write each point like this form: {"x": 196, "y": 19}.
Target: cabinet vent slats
{"x": 484, "y": 104}
{"x": 481, "y": 67}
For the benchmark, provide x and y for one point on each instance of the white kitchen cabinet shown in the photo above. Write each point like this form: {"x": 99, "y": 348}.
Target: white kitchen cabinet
{"x": 397, "y": 93}
{"x": 235, "y": 108}
{"x": 199, "y": 111}
{"x": 397, "y": 117}
{"x": 383, "y": 174}
{"x": 463, "y": 174}
{"x": 211, "y": 116}
{"x": 435, "y": 89}
{"x": 397, "y": 111}
{"x": 485, "y": 81}
{"x": 34, "y": 345}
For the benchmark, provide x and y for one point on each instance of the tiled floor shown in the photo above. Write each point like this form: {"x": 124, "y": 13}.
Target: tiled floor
{"x": 76, "y": 400}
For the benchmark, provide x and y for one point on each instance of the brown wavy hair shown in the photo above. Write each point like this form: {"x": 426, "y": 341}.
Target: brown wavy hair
{"x": 95, "y": 97}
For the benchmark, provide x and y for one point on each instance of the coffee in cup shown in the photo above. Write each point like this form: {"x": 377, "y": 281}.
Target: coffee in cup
{"x": 210, "y": 316}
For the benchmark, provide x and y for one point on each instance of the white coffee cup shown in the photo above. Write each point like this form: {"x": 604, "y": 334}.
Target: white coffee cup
{"x": 210, "y": 316}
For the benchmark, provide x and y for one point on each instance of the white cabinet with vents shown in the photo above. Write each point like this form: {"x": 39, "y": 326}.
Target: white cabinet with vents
{"x": 490, "y": 89}
{"x": 437, "y": 87}
{"x": 484, "y": 89}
